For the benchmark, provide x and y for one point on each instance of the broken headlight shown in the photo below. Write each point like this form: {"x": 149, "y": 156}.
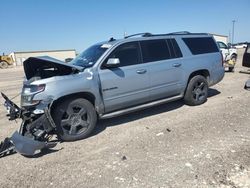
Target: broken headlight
{"x": 28, "y": 93}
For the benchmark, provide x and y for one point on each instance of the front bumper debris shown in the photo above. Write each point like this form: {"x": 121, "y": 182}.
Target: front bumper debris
{"x": 35, "y": 132}
{"x": 6, "y": 148}
{"x": 28, "y": 146}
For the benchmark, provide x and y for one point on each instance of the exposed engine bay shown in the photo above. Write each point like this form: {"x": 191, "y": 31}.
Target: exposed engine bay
{"x": 46, "y": 67}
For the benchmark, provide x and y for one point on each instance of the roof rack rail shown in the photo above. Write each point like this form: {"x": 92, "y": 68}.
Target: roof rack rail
{"x": 139, "y": 34}
{"x": 167, "y": 34}
{"x": 178, "y": 33}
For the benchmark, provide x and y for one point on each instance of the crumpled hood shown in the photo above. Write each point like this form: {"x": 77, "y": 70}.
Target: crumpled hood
{"x": 45, "y": 67}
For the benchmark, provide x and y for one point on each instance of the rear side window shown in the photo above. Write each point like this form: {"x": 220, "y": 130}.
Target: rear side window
{"x": 127, "y": 53}
{"x": 174, "y": 48}
{"x": 201, "y": 45}
{"x": 154, "y": 50}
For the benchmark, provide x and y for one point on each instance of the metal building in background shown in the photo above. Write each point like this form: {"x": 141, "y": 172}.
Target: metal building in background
{"x": 20, "y": 57}
{"x": 221, "y": 38}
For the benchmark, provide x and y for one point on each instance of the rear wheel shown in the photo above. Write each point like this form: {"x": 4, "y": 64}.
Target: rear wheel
{"x": 75, "y": 119}
{"x": 3, "y": 65}
{"x": 196, "y": 92}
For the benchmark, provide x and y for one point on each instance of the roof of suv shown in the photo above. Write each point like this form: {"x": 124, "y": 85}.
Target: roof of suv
{"x": 147, "y": 35}
{"x": 167, "y": 34}
{"x": 150, "y": 35}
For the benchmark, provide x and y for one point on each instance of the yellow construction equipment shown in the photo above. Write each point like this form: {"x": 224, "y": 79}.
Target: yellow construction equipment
{"x": 5, "y": 61}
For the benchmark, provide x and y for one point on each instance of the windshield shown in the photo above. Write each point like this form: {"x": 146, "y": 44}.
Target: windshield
{"x": 90, "y": 56}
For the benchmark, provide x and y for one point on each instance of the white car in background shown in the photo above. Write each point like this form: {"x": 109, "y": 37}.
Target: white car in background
{"x": 229, "y": 55}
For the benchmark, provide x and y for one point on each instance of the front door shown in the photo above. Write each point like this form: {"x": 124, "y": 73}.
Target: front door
{"x": 224, "y": 50}
{"x": 126, "y": 85}
{"x": 246, "y": 57}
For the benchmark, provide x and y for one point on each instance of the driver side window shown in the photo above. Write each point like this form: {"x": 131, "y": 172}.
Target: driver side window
{"x": 127, "y": 53}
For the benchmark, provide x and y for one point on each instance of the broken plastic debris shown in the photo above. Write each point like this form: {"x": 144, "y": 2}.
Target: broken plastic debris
{"x": 188, "y": 165}
{"x": 159, "y": 134}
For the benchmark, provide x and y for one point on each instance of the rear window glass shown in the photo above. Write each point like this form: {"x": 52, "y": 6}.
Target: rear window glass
{"x": 201, "y": 45}
{"x": 154, "y": 50}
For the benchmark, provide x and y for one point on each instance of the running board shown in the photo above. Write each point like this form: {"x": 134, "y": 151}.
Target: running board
{"x": 139, "y": 107}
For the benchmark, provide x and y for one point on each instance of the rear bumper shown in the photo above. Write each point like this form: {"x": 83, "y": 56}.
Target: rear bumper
{"x": 217, "y": 76}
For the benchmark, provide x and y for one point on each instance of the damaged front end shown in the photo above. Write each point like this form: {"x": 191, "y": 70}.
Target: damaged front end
{"x": 37, "y": 127}
{"x": 34, "y": 134}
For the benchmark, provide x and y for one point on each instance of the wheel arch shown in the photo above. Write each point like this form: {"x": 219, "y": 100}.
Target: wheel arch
{"x": 86, "y": 95}
{"x": 202, "y": 72}
{"x": 234, "y": 54}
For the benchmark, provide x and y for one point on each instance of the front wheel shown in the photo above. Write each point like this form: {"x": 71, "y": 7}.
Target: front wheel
{"x": 75, "y": 119}
{"x": 197, "y": 90}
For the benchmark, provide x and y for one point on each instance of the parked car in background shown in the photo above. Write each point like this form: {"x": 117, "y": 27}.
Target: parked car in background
{"x": 229, "y": 55}
{"x": 246, "y": 63}
{"x": 246, "y": 57}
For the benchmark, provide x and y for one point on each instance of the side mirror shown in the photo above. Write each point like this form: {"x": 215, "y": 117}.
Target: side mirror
{"x": 112, "y": 63}
{"x": 67, "y": 60}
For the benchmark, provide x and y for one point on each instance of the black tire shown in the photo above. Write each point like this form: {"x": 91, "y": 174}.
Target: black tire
{"x": 231, "y": 69}
{"x": 3, "y": 65}
{"x": 75, "y": 119}
{"x": 197, "y": 90}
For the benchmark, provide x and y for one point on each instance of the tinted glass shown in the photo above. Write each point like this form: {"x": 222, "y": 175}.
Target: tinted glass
{"x": 174, "y": 48}
{"x": 154, "y": 50}
{"x": 127, "y": 53}
{"x": 201, "y": 45}
{"x": 222, "y": 45}
{"x": 90, "y": 56}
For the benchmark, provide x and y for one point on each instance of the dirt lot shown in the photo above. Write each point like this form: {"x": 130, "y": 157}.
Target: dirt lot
{"x": 171, "y": 145}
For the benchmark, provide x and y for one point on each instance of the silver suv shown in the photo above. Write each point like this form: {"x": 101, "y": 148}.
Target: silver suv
{"x": 120, "y": 76}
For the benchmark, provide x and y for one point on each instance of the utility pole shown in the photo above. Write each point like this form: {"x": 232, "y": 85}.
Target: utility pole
{"x": 233, "y": 31}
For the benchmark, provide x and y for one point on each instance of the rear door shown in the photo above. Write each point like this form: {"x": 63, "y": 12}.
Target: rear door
{"x": 128, "y": 84}
{"x": 246, "y": 57}
{"x": 164, "y": 63}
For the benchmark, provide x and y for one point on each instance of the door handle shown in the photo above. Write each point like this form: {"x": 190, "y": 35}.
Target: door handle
{"x": 141, "y": 71}
{"x": 176, "y": 64}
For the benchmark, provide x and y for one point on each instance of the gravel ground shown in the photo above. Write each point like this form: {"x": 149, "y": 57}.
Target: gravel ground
{"x": 172, "y": 145}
